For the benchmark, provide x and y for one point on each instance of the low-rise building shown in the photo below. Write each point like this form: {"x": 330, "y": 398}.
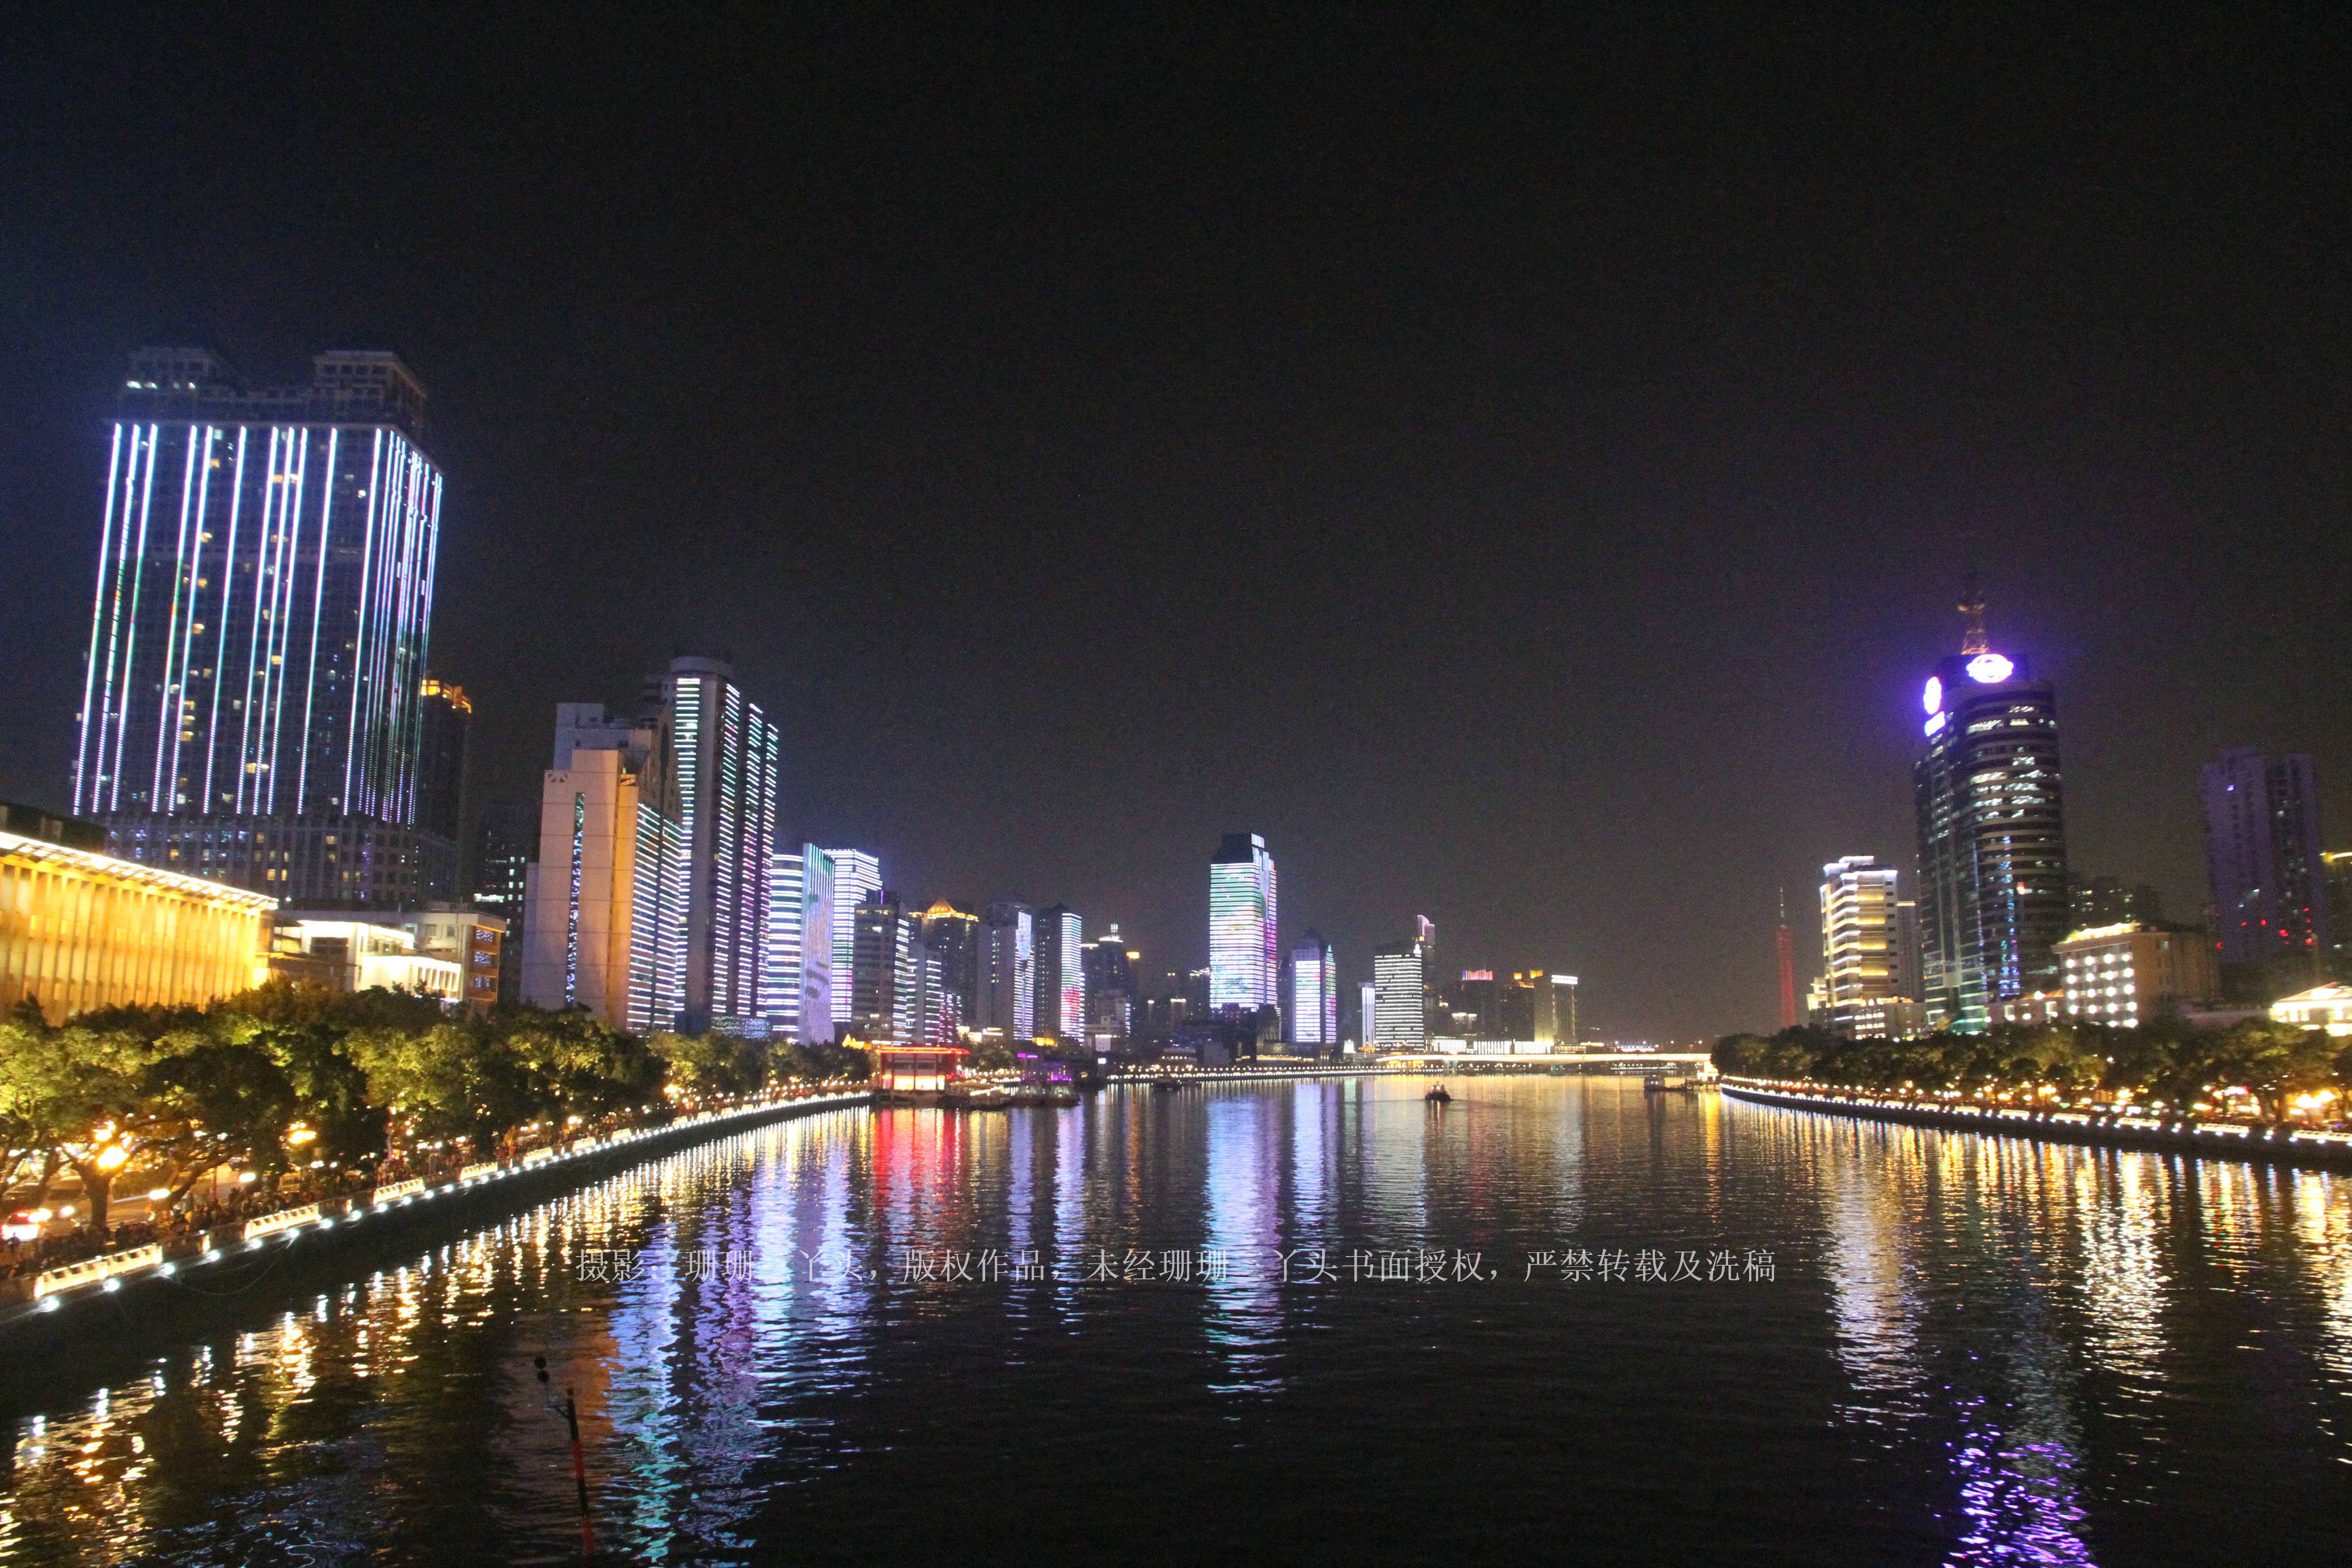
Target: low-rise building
{"x": 82, "y": 929}
{"x": 2328, "y": 1007}
{"x": 2129, "y": 973}
{"x": 345, "y": 953}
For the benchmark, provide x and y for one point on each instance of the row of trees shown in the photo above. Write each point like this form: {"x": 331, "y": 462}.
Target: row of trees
{"x": 2165, "y": 1064}
{"x": 290, "y": 1076}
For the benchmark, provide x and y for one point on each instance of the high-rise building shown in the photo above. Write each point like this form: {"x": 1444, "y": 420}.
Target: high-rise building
{"x": 2267, "y": 873}
{"x": 1554, "y": 996}
{"x": 1992, "y": 837}
{"x": 2336, "y": 877}
{"x": 954, "y": 935}
{"x": 1401, "y": 1004}
{"x": 726, "y": 753}
{"x": 617, "y": 844}
{"x": 444, "y": 717}
{"x": 882, "y": 976}
{"x": 1314, "y": 1011}
{"x": 1061, "y": 972}
{"x": 1110, "y": 966}
{"x": 1009, "y": 973}
{"x": 780, "y": 973}
{"x": 855, "y": 874}
{"x": 250, "y": 705}
{"x": 505, "y": 841}
{"x": 819, "y": 980}
{"x": 2110, "y": 901}
{"x": 1244, "y": 953}
{"x": 1367, "y": 1012}
{"x": 1861, "y": 959}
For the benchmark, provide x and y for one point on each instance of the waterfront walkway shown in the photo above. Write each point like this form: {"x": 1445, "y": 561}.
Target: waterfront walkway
{"x": 2124, "y": 1130}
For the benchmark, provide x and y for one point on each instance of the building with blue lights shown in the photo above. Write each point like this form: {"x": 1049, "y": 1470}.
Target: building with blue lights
{"x": 1244, "y": 953}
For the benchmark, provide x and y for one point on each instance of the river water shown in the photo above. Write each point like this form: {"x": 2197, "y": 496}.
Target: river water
{"x": 1556, "y": 1320}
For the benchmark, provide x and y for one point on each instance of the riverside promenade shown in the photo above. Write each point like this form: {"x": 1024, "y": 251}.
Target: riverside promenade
{"x": 62, "y": 1305}
{"x": 2121, "y": 1130}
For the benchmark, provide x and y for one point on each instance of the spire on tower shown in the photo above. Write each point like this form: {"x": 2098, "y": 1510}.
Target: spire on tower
{"x": 1972, "y": 640}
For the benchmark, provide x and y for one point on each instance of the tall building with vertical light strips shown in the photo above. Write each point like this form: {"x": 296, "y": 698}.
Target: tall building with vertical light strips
{"x": 1061, "y": 995}
{"x": 259, "y": 631}
{"x": 1313, "y": 1015}
{"x": 855, "y": 874}
{"x": 1244, "y": 952}
{"x": 725, "y": 753}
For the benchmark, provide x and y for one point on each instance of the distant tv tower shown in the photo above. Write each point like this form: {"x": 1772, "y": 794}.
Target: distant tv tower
{"x": 1785, "y": 941}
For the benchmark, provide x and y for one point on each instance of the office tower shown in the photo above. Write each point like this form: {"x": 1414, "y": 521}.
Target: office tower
{"x": 780, "y": 973}
{"x": 505, "y": 841}
{"x": 1467, "y": 1008}
{"x": 1554, "y": 1006}
{"x": 1061, "y": 973}
{"x": 1367, "y": 1012}
{"x": 250, "y": 702}
{"x": 1910, "y": 970}
{"x": 2267, "y": 873}
{"x": 725, "y": 753}
{"x": 1314, "y": 1010}
{"x": 1110, "y": 966}
{"x": 1401, "y": 1006}
{"x": 929, "y": 1012}
{"x": 1860, "y": 956}
{"x": 855, "y": 874}
{"x": 1244, "y": 957}
{"x": 954, "y": 935}
{"x": 584, "y": 890}
{"x": 625, "y": 833}
{"x": 820, "y": 982}
{"x": 1196, "y": 993}
{"x": 444, "y": 717}
{"x": 1992, "y": 837}
{"x": 1009, "y": 972}
{"x": 2109, "y": 901}
{"x": 878, "y": 973}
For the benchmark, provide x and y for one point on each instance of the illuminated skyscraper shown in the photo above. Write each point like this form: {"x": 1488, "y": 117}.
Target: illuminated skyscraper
{"x": 726, "y": 753}
{"x": 855, "y": 874}
{"x": 1860, "y": 944}
{"x": 2268, "y": 876}
{"x": 1992, "y": 837}
{"x": 445, "y": 718}
{"x": 1061, "y": 973}
{"x": 954, "y": 935}
{"x": 506, "y": 842}
{"x": 1245, "y": 954}
{"x": 780, "y": 971}
{"x": 1400, "y": 1007}
{"x": 1109, "y": 967}
{"x": 818, "y": 978}
{"x": 250, "y": 701}
{"x": 1313, "y": 1015}
{"x": 1367, "y": 1012}
{"x": 1009, "y": 973}
{"x": 1555, "y": 1005}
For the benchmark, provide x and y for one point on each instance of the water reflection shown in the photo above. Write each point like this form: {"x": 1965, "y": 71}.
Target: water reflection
{"x": 2020, "y": 1352}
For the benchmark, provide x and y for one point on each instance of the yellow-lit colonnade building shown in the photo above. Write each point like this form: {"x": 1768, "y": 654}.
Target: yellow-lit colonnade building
{"x": 80, "y": 929}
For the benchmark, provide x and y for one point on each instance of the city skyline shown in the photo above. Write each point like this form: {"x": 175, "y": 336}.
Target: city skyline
{"x": 1547, "y": 615}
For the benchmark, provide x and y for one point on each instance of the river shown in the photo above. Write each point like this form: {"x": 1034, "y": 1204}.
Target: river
{"x": 1299, "y": 1321}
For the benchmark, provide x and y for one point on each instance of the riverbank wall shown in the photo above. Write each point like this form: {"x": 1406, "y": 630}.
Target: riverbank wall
{"x": 2279, "y": 1145}
{"x": 117, "y": 1292}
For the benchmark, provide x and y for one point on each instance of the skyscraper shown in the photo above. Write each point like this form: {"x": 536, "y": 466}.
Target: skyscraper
{"x": 1860, "y": 940}
{"x": 1061, "y": 1003}
{"x": 1109, "y": 967}
{"x": 2262, "y": 857}
{"x": 1314, "y": 1011}
{"x": 1244, "y": 954}
{"x": 725, "y": 753}
{"x": 855, "y": 874}
{"x": 1555, "y": 1006}
{"x": 779, "y": 972}
{"x": 1400, "y": 1008}
{"x": 444, "y": 717}
{"x": 250, "y": 701}
{"x": 881, "y": 983}
{"x": 819, "y": 980}
{"x": 954, "y": 935}
{"x": 1009, "y": 972}
{"x": 1367, "y": 1012}
{"x": 1992, "y": 837}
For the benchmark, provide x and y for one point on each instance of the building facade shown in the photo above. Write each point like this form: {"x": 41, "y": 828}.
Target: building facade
{"x": 82, "y": 929}
{"x": 445, "y": 724}
{"x": 1401, "y": 1005}
{"x": 725, "y": 753}
{"x": 2263, "y": 862}
{"x": 1009, "y": 975}
{"x": 855, "y": 874}
{"x": 259, "y": 626}
{"x": 2128, "y": 974}
{"x": 1861, "y": 959}
{"x": 1061, "y": 943}
{"x": 505, "y": 841}
{"x": 1992, "y": 840}
{"x": 1313, "y": 1014}
{"x": 1244, "y": 951}
{"x": 1111, "y": 1011}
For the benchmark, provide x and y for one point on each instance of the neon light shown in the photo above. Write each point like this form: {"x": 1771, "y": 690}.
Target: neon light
{"x": 1991, "y": 669}
{"x": 1933, "y": 700}
{"x": 318, "y": 610}
{"x": 97, "y": 614}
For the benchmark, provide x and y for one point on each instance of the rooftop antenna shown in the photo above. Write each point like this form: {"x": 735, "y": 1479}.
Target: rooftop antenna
{"x": 1971, "y": 606}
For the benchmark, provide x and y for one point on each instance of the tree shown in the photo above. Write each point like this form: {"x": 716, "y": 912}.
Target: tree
{"x": 2277, "y": 1060}
{"x": 711, "y": 1066}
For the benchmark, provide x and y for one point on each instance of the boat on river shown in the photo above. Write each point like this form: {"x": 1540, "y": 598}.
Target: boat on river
{"x": 1437, "y": 1096}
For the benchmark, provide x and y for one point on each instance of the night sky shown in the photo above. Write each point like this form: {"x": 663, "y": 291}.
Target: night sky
{"x": 1524, "y": 473}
